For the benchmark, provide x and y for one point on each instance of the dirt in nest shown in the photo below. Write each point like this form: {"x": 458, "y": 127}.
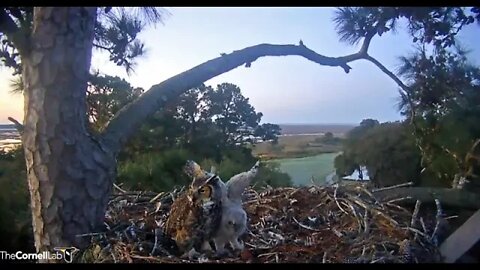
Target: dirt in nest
{"x": 308, "y": 225}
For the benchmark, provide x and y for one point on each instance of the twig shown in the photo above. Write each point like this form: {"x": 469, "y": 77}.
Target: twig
{"x": 336, "y": 201}
{"x": 358, "y": 216}
{"x": 267, "y": 254}
{"x": 366, "y": 191}
{"x": 399, "y": 199}
{"x": 155, "y": 245}
{"x": 394, "y": 222}
{"x": 365, "y": 222}
{"x": 146, "y": 258}
{"x": 304, "y": 226}
{"x": 89, "y": 234}
{"x": 324, "y": 259}
{"x": 439, "y": 208}
{"x": 113, "y": 256}
{"x": 20, "y": 128}
{"x": 357, "y": 201}
{"x": 416, "y": 231}
{"x": 337, "y": 233}
{"x": 156, "y": 197}
{"x": 439, "y": 220}
{"x": 423, "y": 225}
{"x": 392, "y": 187}
{"x": 415, "y": 214}
{"x": 119, "y": 188}
{"x": 398, "y": 207}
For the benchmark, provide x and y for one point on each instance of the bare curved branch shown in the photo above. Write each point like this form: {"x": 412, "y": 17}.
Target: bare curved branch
{"x": 17, "y": 124}
{"x": 386, "y": 71}
{"x": 128, "y": 119}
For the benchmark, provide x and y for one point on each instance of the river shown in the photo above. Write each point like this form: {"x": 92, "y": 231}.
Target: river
{"x": 301, "y": 170}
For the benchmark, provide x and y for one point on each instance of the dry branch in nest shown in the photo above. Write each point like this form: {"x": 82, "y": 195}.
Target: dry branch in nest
{"x": 308, "y": 224}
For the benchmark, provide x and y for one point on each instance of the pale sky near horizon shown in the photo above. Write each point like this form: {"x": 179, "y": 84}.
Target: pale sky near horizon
{"x": 285, "y": 89}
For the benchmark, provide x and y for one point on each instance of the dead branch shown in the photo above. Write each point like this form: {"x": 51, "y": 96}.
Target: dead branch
{"x": 17, "y": 124}
{"x": 449, "y": 197}
{"x": 130, "y": 117}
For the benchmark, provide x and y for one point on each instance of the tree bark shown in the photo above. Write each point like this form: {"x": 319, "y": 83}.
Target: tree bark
{"x": 69, "y": 173}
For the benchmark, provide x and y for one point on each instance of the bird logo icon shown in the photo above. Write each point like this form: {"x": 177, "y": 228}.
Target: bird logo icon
{"x": 68, "y": 253}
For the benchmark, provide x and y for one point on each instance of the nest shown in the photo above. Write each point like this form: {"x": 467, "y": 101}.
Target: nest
{"x": 307, "y": 224}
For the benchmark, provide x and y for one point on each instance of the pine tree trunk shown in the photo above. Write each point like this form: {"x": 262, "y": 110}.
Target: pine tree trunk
{"x": 69, "y": 172}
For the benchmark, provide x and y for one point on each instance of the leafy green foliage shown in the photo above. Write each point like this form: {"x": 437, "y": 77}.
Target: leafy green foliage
{"x": 232, "y": 113}
{"x": 106, "y": 95}
{"x": 268, "y": 132}
{"x": 154, "y": 171}
{"x": 15, "y": 220}
{"x": 437, "y": 26}
{"x": 23, "y": 18}
{"x": 445, "y": 91}
{"x": 387, "y": 150}
{"x": 116, "y": 31}
{"x": 204, "y": 120}
{"x": 205, "y": 124}
{"x": 442, "y": 96}
{"x": 328, "y": 139}
{"x": 271, "y": 175}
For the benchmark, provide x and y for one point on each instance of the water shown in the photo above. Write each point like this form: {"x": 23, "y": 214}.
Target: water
{"x": 301, "y": 170}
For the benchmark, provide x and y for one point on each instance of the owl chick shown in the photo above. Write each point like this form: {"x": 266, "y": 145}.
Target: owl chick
{"x": 232, "y": 226}
{"x": 195, "y": 216}
{"x": 237, "y": 184}
{"x": 234, "y": 218}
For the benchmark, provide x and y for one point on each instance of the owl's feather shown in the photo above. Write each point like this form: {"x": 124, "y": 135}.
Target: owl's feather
{"x": 234, "y": 218}
{"x": 233, "y": 225}
{"x": 195, "y": 216}
{"x": 237, "y": 184}
{"x": 210, "y": 209}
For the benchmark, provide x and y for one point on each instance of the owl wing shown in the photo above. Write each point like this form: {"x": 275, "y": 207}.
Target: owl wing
{"x": 182, "y": 222}
{"x": 238, "y": 183}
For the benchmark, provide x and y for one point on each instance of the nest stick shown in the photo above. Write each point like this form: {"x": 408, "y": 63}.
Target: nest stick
{"x": 415, "y": 214}
{"x": 365, "y": 222}
{"x": 392, "y": 187}
{"x": 119, "y": 188}
{"x": 336, "y": 201}
{"x": 156, "y": 197}
{"x": 438, "y": 218}
{"x": 399, "y": 199}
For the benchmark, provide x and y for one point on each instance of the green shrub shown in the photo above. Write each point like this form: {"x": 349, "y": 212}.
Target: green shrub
{"x": 154, "y": 171}
{"x": 15, "y": 217}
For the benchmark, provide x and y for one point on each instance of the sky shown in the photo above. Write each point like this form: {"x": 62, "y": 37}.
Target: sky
{"x": 287, "y": 89}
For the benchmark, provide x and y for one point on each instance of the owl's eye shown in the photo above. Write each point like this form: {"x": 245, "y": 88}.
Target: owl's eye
{"x": 204, "y": 191}
{"x": 230, "y": 222}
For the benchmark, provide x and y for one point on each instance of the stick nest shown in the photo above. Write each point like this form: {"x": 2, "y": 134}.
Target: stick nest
{"x": 307, "y": 224}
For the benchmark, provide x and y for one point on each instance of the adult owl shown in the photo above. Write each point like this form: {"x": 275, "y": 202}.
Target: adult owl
{"x": 195, "y": 215}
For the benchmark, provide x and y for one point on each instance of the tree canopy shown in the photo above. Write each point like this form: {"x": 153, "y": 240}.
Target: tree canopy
{"x": 116, "y": 32}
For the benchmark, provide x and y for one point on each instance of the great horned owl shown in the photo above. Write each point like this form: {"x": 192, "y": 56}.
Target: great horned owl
{"x": 232, "y": 226}
{"x": 234, "y": 218}
{"x": 195, "y": 216}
